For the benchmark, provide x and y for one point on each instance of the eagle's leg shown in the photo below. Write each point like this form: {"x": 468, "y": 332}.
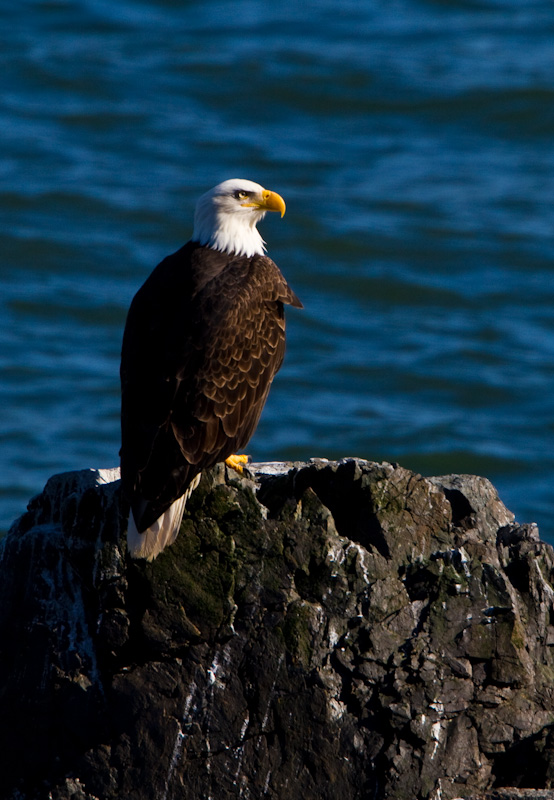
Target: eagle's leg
{"x": 237, "y": 462}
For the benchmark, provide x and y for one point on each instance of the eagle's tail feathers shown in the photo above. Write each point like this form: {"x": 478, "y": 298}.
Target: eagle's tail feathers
{"x": 162, "y": 533}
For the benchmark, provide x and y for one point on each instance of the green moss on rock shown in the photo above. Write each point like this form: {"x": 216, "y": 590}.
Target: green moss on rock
{"x": 297, "y": 634}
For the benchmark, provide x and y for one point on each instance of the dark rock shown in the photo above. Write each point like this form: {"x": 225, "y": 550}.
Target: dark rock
{"x": 324, "y": 630}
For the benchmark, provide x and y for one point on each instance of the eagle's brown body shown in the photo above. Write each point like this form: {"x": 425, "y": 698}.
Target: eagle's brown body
{"x": 204, "y": 338}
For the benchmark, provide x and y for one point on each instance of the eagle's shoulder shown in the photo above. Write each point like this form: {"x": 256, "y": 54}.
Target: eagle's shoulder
{"x": 197, "y": 270}
{"x": 263, "y": 280}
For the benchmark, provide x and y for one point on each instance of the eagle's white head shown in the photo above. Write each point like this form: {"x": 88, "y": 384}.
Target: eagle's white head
{"x": 227, "y": 215}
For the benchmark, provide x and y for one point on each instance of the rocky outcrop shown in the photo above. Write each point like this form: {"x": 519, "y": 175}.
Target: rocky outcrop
{"x": 325, "y": 630}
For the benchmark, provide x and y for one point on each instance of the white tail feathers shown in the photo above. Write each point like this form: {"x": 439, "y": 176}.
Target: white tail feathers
{"x": 162, "y": 533}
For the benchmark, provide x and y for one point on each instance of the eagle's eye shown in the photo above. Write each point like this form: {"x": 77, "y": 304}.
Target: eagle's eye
{"x": 241, "y": 195}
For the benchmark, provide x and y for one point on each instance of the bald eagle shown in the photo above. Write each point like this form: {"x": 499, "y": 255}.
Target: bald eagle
{"x": 203, "y": 340}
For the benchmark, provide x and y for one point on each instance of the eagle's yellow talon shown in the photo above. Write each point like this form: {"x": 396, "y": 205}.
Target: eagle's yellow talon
{"x": 237, "y": 462}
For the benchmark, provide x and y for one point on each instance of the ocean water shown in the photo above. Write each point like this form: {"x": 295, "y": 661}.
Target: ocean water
{"x": 414, "y": 145}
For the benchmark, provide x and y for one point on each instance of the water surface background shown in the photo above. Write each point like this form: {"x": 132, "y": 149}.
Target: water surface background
{"x": 414, "y": 145}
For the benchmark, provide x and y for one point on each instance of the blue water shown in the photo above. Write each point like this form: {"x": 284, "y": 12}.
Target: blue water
{"x": 414, "y": 145}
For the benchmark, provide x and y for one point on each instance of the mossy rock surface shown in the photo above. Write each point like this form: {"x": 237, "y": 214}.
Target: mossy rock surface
{"x": 323, "y": 630}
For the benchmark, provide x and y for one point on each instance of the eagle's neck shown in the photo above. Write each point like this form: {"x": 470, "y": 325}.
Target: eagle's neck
{"x": 227, "y": 232}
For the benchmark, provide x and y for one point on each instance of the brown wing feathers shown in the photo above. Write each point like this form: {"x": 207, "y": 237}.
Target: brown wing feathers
{"x": 204, "y": 339}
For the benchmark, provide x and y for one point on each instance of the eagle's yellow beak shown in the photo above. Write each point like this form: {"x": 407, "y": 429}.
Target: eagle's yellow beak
{"x": 270, "y": 201}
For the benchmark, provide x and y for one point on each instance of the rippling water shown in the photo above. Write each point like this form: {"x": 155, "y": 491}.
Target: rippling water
{"x": 414, "y": 145}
